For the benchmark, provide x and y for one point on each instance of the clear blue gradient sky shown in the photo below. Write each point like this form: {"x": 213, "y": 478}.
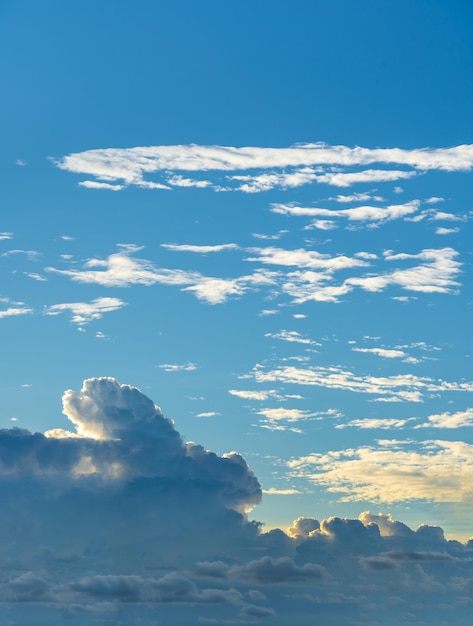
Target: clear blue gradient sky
{"x": 257, "y": 215}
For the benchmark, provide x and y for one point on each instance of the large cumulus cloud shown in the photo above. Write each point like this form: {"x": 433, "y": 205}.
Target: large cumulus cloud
{"x": 119, "y": 518}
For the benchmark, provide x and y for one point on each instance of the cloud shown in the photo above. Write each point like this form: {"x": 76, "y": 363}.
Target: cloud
{"x": 370, "y": 423}
{"x": 122, "y": 270}
{"x": 269, "y": 167}
{"x": 36, "y": 276}
{"x": 173, "y": 367}
{"x": 31, "y": 255}
{"x": 91, "y": 184}
{"x": 199, "y": 249}
{"x": 283, "y": 570}
{"x": 372, "y": 214}
{"x": 280, "y": 492}
{"x": 123, "y": 516}
{"x": 393, "y": 471}
{"x": 6, "y": 236}
{"x": 446, "y": 231}
{"x": 208, "y": 414}
{"x": 292, "y": 336}
{"x": 346, "y": 179}
{"x": 303, "y": 275}
{"x": 406, "y": 387}
{"x": 459, "y": 419}
{"x": 310, "y": 259}
{"x": 251, "y": 395}
{"x": 85, "y": 312}
{"x": 281, "y": 413}
{"x": 14, "y": 311}
{"x": 357, "y": 197}
{"x": 386, "y": 353}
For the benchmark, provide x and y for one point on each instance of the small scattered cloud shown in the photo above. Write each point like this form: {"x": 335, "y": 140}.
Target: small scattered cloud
{"x": 252, "y": 395}
{"x": 446, "y": 231}
{"x": 459, "y": 419}
{"x": 281, "y": 492}
{"x": 386, "y": 353}
{"x": 292, "y": 336}
{"x": 174, "y": 367}
{"x": 199, "y": 249}
{"x": 86, "y": 312}
{"x": 92, "y": 184}
{"x": 208, "y": 414}
{"x": 31, "y": 255}
{"x": 14, "y": 311}
{"x": 374, "y": 423}
{"x": 36, "y": 276}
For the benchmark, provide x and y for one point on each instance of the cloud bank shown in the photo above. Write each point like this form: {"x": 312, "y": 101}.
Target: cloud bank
{"x": 118, "y": 516}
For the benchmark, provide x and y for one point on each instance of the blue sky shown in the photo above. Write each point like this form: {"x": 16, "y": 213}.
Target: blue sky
{"x": 259, "y": 216}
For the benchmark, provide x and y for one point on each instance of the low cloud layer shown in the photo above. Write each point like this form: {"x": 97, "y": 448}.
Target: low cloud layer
{"x": 119, "y": 515}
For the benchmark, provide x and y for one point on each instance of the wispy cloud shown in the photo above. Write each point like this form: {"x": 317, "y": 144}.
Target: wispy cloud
{"x": 407, "y": 387}
{"x": 199, "y": 249}
{"x": 357, "y": 197}
{"x": 252, "y": 395}
{"x": 346, "y": 179}
{"x": 292, "y": 336}
{"x": 174, "y": 367}
{"x": 6, "y": 236}
{"x": 383, "y": 352}
{"x": 365, "y": 213}
{"x": 315, "y": 279}
{"x": 373, "y": 423}
{"x": 446, "y": 231}
{"x": 121, "y": 269}
{"x": 13, "y": 311}
{"x": 85, "y": 312}
{"x": 114, "y": 168}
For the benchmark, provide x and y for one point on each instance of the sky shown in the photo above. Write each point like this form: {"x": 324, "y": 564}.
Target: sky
{"x": 235, "y": 251}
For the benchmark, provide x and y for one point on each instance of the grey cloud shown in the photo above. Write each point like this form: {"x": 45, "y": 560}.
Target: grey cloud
{"x": 282, "y": 570}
